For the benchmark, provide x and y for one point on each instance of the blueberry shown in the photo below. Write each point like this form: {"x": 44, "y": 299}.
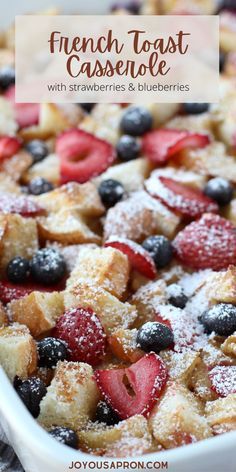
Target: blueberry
{"x": 220, "y": 318}
{"x": 31, "y": 392}
{"x": 220, "y": 190}
{"x": 18, "y": 270}
{"x": 48, "y": 266}
{"x": 195, "y": 108}
{"x": 39, "y": 185}
{"x": 7, "y": 77}
{"x": 136, "y": 121}
{"x": 128, "y": 148}
{"x": 176, "y": 296}
{"x": 65, "y": 436}
{"x": 105, "y": 414}
{"x": 226, "y": 5}
{"x": 38, "y": 150}
{"x": 111, "y": 191}
{"x": 131, "y": 6}
{"x": 160, "y": 249}
{"x": 154, "y": 336}
{"x": 87, "y": 106}
{"x": 51, "y": 351}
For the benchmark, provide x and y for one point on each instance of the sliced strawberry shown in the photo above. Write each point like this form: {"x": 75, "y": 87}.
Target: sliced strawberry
{"x": 83, "y": 155}
{"x": 161, "y": 144}
{"x": 133, "y": 390}
{"x": 10, "y": 291}
{"x": 9, "y": 145}
{"x": 26, "y": 114}
{"x": 20, "y": 204}
{"x": 139, "y": 258}
{"x": 84, "y": 335}
{"x": 185, "y": 200}
{"x": 223, "y": 380}
{"x": 207, "y": 243}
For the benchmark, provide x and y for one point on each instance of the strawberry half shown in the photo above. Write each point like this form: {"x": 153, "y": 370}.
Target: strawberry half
{"x": 139, "y": 258}
{"x": 133, "y": 390}
{"x": 20, "y": 204}
{"x": 10, "y": 291}
{"x": 207, "y": 243}
{"x": 82, "y": 155}
{"x": 161, "y": 144}
{"x": 9, "y": 145}
{"x": 223, "y": 380}
{"x": 82, "y": 331}
{"x": 26, "y": 114}
{"x": 185, "y": 200}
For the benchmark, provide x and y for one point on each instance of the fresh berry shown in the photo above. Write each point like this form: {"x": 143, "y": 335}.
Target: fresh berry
{"x": 19, "y": 204}
{"x": 105, "y": 414}
{"x": 154, "y": 336}
{"x": 128, "y": 148}
{"x": 87, "y": 106}
{"x": 162, "y": 320}
{"x": 51, "y": 351}
{"x": 132, "y": 6}
{"x": 10, "y": 291}
{"x": 220, "y": 319}
{"x": 209, "y": 243}
{"x": 195, "y": 108}
{"x": 82, "y": 331}
{"x": 111, "y": 192}
{"x": 39, "y": 185}
{"x": 7, "y": 77}
{"x": 136, "y": 121}
{"x": 18, "y": 270}
{"x": 31, "y": 392}
{"x": 176, "y": 296}
{"x": 65, "y": 436}
{"x": 220, "y": 190}
{"x": 139, "y": 258}
{"x": 82, "y": 155}
{"x": 38, "y": 150}
{"x": 26, "y": 114}
{"x": 48, "y": 266}
{"x": 9, "y": 145}
{"x": 160, "y": 249}
{"x": 133, "y": 390}
{"x": 187, "y": 201}
{"x": 226, "y": 5}
{"x": 161, "y": 144}
{"x": 223, "y": 380}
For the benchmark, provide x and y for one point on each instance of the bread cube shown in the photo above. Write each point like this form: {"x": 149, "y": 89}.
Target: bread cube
{"x": 221, "y": 286}
{"x": 123, "y": 345}
{"x": 48, "y": 168}
{"x": 112, "y": 313}
{"x": 8, "y": 185}
{"x": 229, "y": 346}
{"x": 104, "y": 121}
{"x": 146, "y": 300}
{"x": 178, "y": 418}
{"x": 16, "y": 165}
{"x": 39, "y": 311}
{"x": 19, "y": 237}
{"x": 221, "y": 414}
{"x": 181, "y": 365}
{"x": 106, "y": 267}
{"x": 18, "y": 351}
{"x": 3, "y": 316}
{"x": 72, "y": 397}
{"x": 199, "y": 383}
{"x": 185, "y": 177}
{"x": 8, "y": 123}
{"x": 230, "y": 212}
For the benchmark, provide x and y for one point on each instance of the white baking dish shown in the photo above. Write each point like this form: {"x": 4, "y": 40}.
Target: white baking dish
{"x": 37, "y": 451}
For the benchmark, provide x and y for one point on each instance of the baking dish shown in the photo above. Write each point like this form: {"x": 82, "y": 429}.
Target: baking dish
{"x": 36, "y": 449}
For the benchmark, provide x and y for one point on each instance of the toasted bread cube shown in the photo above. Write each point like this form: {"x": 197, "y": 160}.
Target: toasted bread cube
{"x": 112, "y": 313}
{"x": 107, "y": 267}
{"x": 81, "y": 197}
{"x": 229, "y": 346}
{"x": 130, "y": 437}
{"x": 200, "y": 384}
{"x": 195, "y": 123}
{"x": 18, "y": 351}
{"x": 20, "y": 238}
{"x": 8, "y": 123}
{"x": 227, "y": 31}
{"x": 230, "y": 213}
{"x": 221, "y": 414}
{"x": 66, "y": 227}
{"x": 72, "y": 397}
{"x": 178, "y": 418}
{"x": 16, "y": 165}
{"x": 221, "y": 286}
{"x": 39, "y": 311}
{"x": 181, "y": 365}
{"x": 3, "y": 316}
{"x": 146, "y": 300}
{"x": 8, "y": 185}
{"x": 185, "y": 177}
{"x": 48, "y": 168}
{"x": 123, "y": 344}
{"x": 104, "y": 121}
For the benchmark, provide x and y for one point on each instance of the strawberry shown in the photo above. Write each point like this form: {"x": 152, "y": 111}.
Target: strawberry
{"x": 185, "y": 200}
{"x": 10, "y": 291}
{"x": 223, "y": 380}
{"x": 162, "y": 320}
{"x": 82, "y": 155}
{"x": 20, "y": 204}
{"x": 138, "y": 257}
{"x": 161, "y": 144}
{"x": 133, "y": 390}
{"x": 26, "y": 114}
{"x": 82, "y": 331}
{"x": 207, "y": 243}
{"x": 9, "y": 145}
